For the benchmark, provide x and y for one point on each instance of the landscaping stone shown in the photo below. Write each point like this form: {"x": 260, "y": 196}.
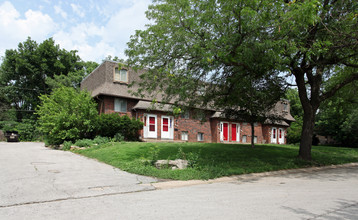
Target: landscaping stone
{"x": 174, "y": 164}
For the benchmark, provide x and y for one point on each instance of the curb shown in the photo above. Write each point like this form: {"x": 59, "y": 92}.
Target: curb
{"x": 244, "y": 177}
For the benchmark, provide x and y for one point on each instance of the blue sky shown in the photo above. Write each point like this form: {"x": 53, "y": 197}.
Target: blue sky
{"x": 94, "y": 28}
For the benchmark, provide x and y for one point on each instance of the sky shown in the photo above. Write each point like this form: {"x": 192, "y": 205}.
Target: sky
{"x": 94, "y": 28}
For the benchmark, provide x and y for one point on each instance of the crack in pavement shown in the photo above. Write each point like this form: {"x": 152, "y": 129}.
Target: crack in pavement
{"x": 74, "y": 198}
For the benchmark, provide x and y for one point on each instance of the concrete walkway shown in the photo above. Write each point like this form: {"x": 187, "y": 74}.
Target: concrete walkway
{"x": 39, "y": 183}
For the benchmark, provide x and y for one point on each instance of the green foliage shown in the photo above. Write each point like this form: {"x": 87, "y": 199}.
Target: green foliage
{"x": 72, "y": 79}
{"x": 101, "y": 140}
{"x": 294, "y": 131}
{"x": 27, "y": 129}
{"x": 212, "y": 160}
{"x": 118, "y": 137}
{"x": 84, "y": 143}
{"x": 24, "y": 71}
{"x": 337, "y": 117}
{"x": 67, "y": 145}
{"x": 66, "y": 115}
{"x": 108, "y": 125}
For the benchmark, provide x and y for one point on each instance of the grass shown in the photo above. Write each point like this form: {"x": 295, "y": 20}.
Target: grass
{"x": 212, "y": 160}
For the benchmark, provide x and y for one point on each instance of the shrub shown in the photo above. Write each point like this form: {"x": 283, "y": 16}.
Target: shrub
{"x": 84, "y": 143}
{"x": 118, "y": 137}
{"x": 66, "y": 115}
{"x": 67, "y": 145}
{"x": 109, "y": 125}
{"x": 100, "y": 140}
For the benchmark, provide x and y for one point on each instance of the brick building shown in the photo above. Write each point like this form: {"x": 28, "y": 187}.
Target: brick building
{"x": 109, "y": 82}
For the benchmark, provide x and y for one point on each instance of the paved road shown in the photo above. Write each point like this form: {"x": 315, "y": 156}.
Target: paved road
{"x": 38, "y": 183}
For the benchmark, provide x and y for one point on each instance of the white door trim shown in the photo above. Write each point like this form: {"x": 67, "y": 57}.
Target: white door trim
{"x": 170, "y": 133}
{"x": 146, "y": 128}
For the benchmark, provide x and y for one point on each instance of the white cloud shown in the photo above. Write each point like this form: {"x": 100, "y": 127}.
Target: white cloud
{"x": 105, "y": 35}
{"x": 58, "y": 10}
{"x": 78, "y": 10}
{"x": 15, "y": 29}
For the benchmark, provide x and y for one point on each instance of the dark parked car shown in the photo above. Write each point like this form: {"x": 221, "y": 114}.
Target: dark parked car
{"x": 12, "y": 136}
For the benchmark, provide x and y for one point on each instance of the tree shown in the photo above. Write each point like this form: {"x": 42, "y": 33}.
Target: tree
{"x": 196, "y": 61}
{"x": 66, "y": 115}
{"x": 193, "y": 41}
{"x": 319, "y": 43}
{"x": 24, "y": 71}
{"x": 337, "y": 116}
{"x": 295, "y": 129}
{"x": 72, "y": 79}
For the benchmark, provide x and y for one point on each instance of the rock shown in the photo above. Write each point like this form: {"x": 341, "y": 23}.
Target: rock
{"x": 173, "y": 164}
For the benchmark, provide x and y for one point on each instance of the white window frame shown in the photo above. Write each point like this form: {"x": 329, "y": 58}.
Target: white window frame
{"x": 244, "y": 138}
{"x": 184, "y": 135}
{"x": 200, "y": 136}
{"x": 118, "y": 75}
{"x": 120, "y": 105}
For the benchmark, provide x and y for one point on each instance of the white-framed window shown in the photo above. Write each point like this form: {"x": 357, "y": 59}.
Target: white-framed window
{"x": 120, "y": 75}
{"x": 200, "y": 136}
{"x": 244, "y": 138}
{"x": 285, "y": 107}
{"x": 184, "y": 135}
{"x": 185, "y": 115}
{"x": 255, "y": 139}
{"x": 120, "y": 105}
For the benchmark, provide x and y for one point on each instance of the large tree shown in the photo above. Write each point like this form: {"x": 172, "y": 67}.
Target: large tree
{"x": 208, "y": 54}
{"x": 222, "y": 42}
{"x": 338, "y": 116}
{"x": 24, "y": 71}
{"x": 320, "y": 49}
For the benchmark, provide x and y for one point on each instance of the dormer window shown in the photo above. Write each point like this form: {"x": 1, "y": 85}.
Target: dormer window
{"x": 285, "y": 107}
{"x": 120, "y": 75}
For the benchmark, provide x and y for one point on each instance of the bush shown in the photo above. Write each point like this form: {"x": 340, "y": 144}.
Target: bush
{"x": 101, "y": 140}
{"x": 109, "y": 125}
{"x": 27, "y": 129}
{"x": 67, "y": 145}
{"x": 84, "y": 143}
{"x": 66, "y": 115}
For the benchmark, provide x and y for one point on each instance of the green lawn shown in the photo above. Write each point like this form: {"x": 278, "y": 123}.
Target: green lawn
{"x": 213, "y": 160}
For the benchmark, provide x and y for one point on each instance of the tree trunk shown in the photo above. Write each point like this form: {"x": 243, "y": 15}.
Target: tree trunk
{"x": 252, "y": 134}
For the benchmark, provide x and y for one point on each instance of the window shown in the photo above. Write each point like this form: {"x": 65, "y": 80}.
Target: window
{"x": 184, "y": 135}
{"x": 255, "y": 139}
{"x": 185, "y": 115}
{"x": 244, "y": 139}
{"x": 120, "y": 75}
{"x": 200, "y": 136}
{"x": 151, "y": 123}
{"x": 120, "y": 105}
{"x": 285, "y": 107}
{"x": 274, "y": 133}
{"x": 256, "y": 124}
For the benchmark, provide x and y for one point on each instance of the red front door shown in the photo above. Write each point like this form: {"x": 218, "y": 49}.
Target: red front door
{"x": 233, "y": 132}
{"x": 226, "y": 131}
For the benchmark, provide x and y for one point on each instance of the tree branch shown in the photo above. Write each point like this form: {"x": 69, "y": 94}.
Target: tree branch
{"x": 333, "y": 91}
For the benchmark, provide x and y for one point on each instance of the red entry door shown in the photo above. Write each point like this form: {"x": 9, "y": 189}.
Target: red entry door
{"x": 233, "y": 132}
{"x": 226, "y": 131}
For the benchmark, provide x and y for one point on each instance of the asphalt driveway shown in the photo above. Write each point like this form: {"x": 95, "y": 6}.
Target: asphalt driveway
{"x": 39, "y": 183}
{"x": 31, "y": 173}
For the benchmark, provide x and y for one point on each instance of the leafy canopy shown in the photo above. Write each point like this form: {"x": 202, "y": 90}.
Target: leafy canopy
{"x": 66, "y": 115}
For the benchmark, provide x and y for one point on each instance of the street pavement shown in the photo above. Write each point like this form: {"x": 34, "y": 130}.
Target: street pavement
{"x": 40, "y": 183}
